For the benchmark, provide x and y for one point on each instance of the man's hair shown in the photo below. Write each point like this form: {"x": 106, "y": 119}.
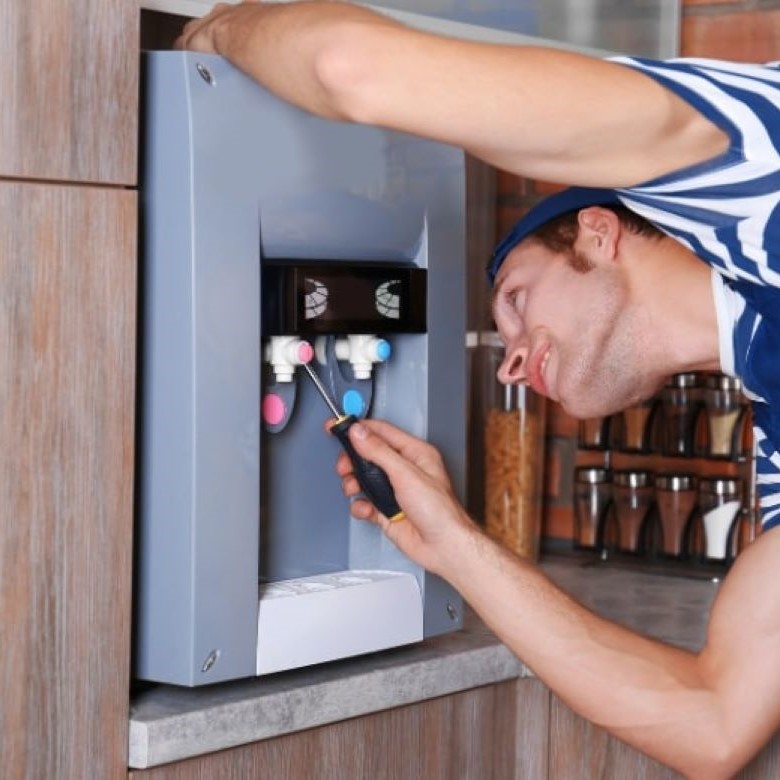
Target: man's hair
{"x": 560, "y": 233}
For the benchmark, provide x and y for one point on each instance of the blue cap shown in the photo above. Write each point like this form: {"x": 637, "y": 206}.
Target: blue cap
{"x": 383, "y": 350}
{"x": 572, "y": 199}
{"x": 352, "y": 403}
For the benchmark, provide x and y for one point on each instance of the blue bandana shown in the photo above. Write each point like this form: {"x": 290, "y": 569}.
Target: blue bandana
{"x": 573, "y": 199}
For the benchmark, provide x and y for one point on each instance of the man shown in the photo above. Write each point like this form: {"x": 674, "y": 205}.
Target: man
{"x": 596, "y": 307}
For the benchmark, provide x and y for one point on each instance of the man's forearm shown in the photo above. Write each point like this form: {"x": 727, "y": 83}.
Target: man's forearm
{"x": 650, "y": 695}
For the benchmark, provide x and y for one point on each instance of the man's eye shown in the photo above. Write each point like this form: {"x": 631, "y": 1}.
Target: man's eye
{"x": 511, "y": 297}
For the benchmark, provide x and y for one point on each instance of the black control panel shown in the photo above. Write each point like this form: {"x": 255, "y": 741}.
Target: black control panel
{"x": 327, "y": 297}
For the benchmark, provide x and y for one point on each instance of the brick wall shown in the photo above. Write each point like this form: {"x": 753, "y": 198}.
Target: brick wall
{"x": 746, "y": 31}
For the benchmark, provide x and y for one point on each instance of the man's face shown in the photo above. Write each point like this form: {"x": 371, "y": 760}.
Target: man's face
{"x": 569, "y": 334}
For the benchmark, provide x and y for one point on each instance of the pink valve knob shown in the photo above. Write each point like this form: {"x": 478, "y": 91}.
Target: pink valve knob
{"x": 273, "y": 409}
{"x": 305, "y": 352}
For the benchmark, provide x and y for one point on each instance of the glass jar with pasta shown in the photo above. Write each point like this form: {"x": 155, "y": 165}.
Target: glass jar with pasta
{"x": 514, "y": 460}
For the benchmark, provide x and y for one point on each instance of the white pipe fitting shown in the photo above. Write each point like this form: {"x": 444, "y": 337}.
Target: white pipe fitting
{"x": 362, "y": 351}
{"x": 285, "y": 354}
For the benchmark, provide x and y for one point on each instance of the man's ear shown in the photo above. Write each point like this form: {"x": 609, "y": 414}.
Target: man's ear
{"x": 599, "y": 233}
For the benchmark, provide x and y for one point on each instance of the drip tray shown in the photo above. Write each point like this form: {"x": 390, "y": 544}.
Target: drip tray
{"x": 311, "y": 620}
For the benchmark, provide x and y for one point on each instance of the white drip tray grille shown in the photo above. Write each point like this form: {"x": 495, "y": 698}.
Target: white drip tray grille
{"x": 311, "y": 620}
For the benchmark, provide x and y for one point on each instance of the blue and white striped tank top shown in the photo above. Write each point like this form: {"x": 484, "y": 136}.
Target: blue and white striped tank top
{"x": 727, "y": 211}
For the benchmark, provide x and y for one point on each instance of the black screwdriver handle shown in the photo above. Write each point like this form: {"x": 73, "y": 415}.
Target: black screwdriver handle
{"x": 372, "y": 480}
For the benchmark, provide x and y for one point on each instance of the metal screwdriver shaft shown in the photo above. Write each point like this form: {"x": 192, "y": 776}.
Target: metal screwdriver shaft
{"x": 372, "y": 480}
{"x": 323, "y": 392}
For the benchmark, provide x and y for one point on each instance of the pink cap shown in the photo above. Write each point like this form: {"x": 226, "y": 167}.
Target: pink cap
{"x": 305, "y": 352}
{"x": 273, "y": 409}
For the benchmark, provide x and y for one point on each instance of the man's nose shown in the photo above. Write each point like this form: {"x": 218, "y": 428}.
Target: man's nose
{"x": 512, "y": 370}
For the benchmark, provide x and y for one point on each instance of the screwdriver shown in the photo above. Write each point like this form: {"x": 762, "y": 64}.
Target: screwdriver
{"x": 372, "y": 480}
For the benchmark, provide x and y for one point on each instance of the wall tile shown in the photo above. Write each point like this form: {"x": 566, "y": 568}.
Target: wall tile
{"x": 752, "y": 36}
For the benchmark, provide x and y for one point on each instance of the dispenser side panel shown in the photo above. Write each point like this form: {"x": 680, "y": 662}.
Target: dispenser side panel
{"x": 227, "y": 134}
{"x": 198, "y": 539}
{"x": 163, "y": 598}
{"x": 446, "y": 363}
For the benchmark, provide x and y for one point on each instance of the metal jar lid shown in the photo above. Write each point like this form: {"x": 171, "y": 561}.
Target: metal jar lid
{"x": 489, "y": 338}
{"x": 722, "y": 382}
{"x": 591, "y": 475}
{"x": 720, "y": 486}
{"x": 633, "y": 479}
{"x": 682, "y": 381}
{"x": 675, "y": 482}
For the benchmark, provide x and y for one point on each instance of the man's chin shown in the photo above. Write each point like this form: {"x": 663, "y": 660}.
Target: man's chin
{"x": 590, "y": 410}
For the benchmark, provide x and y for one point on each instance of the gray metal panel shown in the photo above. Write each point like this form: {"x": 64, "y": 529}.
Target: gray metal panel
{"x": 446, "y": 367}
{"x": 649, "y": 28}
{"x": 164, "y": 533}
{"x": 198, "y": 535}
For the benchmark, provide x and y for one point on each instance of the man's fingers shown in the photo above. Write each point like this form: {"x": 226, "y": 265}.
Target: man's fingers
{"x": 398, "y": 439}
{"x": 419, "y": 452}
{"x": 363, "y": 510}
{"x": 375, "y": 448}
{"x": 350, "y": 485}
{"x": 343, "y": 464}
{"x": 394, "y": 440}
{"x": 194, "y": 26}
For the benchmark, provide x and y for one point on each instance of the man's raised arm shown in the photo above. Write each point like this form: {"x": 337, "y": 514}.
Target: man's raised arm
{"x": 539, "y": 112}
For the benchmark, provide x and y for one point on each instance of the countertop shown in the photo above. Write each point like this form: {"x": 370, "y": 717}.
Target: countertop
{"x": 168, "y": 723}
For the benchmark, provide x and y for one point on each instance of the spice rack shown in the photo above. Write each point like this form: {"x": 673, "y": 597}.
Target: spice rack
{"x": 669, "y": 484}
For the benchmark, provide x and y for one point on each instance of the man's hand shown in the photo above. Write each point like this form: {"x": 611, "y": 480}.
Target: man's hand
{"x": 436, "y": 529}
{"x": 209, "y": 34}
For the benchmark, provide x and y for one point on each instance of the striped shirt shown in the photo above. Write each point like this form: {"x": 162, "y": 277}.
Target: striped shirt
{"x": 727, "y": 211}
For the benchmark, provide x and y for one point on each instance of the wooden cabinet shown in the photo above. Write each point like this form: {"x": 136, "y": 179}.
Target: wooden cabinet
{"x": 578, "y": 750}
{"x": 581, "y": 751}
{"x": 67, "y": 362}
{"x": 69, "y": 75}
{"x": 465, "y": 735}
{"x": 515, "y": 730}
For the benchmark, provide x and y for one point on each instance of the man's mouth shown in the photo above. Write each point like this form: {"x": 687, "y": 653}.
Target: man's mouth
{"x": 536, "y": 369}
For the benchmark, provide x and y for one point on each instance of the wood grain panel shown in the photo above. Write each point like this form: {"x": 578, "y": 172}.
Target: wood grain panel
{"x": 69, "y": 75}
{"x": 467, "y": 735}
{"x": 766, "y": 765}
{"x": 581, "y": 751}
{"x": 480, "y": 242}
{"x": 533, "y": 727}
{"x": 67, "y": 362}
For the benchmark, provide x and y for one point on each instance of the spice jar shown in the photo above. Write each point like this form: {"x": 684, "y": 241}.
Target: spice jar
{"x": 725, "y": 406}
{"x": 746, "y": 527}
{"x": 636, "y": 426}
{"x": 592, "y": 499}
{"x": 514, "y": 464}
{"x": 720, "y": 501}
{"x": 680, "y": 409}
{"x": 675, "y": 496}
{"x": 593, "y": 434}
{"x": 633, "y": 496}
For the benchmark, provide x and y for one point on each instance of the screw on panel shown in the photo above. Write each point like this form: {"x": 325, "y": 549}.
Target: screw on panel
{"x": 452, "y": 612}
{"x": 211, "y": 659}
{"x": 205, "y": 74}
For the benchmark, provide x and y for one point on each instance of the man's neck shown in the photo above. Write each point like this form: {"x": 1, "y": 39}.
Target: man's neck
{"x": 672, "y": 288}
